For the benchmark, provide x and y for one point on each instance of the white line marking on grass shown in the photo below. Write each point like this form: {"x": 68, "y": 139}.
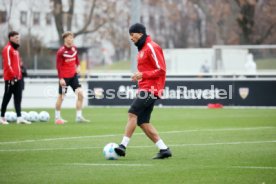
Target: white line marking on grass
{"x": 113, "y": 135}
{"x": 253, "y": 167}
{"x": 213, "y": 144}
{"x": 49, "y": 149}
{"x": 149, "y": 165}
{"x": 223, "y": 143}
{"x": 218, "y": 130}
{"x": 111, "y": 164}
{"x": 172, "y": 145}
{"x": 60, "y": 138}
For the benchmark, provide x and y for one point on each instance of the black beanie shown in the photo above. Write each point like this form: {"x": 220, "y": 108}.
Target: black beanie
{"x": 137, "y": 28}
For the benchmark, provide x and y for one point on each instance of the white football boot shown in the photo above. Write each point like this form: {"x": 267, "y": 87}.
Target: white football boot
{"x": 21, "y": 120}
{"x": 81, "y": 119}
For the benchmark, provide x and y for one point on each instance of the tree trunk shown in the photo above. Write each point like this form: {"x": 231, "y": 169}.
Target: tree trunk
{"x": 58, "y": 15}
{"x": 246, "y": 21}
{"x": 70, "y": 15}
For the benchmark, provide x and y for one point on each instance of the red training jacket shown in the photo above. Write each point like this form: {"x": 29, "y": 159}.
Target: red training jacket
{"x": 11, "y": 63}
{"x": 67, "y": 61}
{"x": 151, "y": 64}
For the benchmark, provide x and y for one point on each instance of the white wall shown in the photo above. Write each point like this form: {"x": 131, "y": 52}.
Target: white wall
{"x": 234, "y": 60}
{"x": 190, "y": 61}
{"x": 187, "y": 61}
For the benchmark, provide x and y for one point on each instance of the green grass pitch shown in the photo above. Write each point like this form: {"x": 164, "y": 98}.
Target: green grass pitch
{"x": 209, "y": 146}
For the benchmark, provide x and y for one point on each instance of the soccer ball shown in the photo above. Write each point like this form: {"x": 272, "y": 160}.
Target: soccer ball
{"x": 33, "y": 116}
{"x": 10, "y": 116}
{"x": 109, "y": 152}
{"x": 44, "y": 116}
{"x": 25, "y": 115}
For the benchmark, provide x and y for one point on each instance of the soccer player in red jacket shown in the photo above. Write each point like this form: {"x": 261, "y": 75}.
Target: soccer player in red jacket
{"x": 151, "y": 77}
{"x": 67, "y": 64}
{"x": 13, "y": 78}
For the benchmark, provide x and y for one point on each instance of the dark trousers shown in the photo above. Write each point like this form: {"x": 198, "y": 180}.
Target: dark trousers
{"x": 14, "y": 89}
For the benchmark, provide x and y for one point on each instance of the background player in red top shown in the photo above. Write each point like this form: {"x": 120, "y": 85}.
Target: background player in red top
{"x": 68, "y": 69}
{"x": 151, "y": 77}
{"x": 12, "y": 77}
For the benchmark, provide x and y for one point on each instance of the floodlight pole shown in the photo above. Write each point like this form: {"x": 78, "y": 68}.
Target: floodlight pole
{"x": 135, "y": 17}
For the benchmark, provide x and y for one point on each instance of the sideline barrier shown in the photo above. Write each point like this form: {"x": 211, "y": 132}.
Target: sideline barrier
{"x": 189, "y": 92}
{"x": 42, "y": 93}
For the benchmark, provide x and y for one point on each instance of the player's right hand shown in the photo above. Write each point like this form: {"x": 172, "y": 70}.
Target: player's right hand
{"x": 62, "y": 82}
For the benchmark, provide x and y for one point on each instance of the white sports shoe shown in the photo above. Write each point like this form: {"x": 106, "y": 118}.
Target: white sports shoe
{"x": 23, "y": 121}
{"x": 81, "y": 119}
{"x": 3, "y": 121}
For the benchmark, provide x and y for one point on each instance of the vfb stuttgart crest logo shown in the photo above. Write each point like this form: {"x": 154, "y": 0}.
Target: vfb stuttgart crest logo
{"x": 244, "y": 92}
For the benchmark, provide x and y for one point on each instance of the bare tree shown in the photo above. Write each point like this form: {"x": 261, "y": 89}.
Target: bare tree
{"x": 265, "y": 27}
{"x": 93, "y": 22}
{"x": 256, "y": 20}
{"x": 239, "y": 21}
{"x": 70, "y": 14}
{"x": 6, "y": 25}
{"x": 58, "y": 16}
{"x": 246, "y": 19}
